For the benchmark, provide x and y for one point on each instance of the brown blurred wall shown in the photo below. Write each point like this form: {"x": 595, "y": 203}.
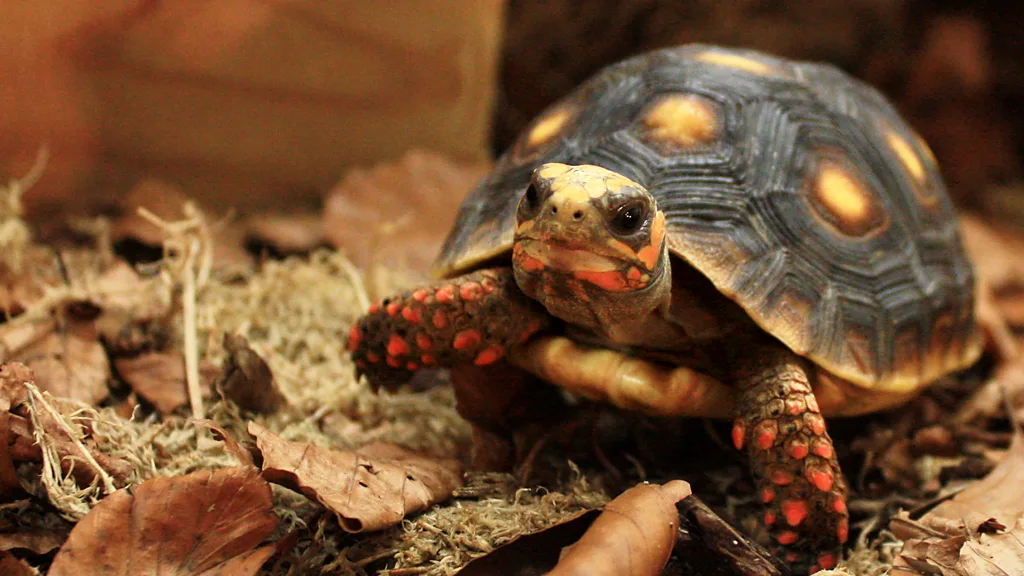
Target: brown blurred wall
{"x": 246, "y": 103}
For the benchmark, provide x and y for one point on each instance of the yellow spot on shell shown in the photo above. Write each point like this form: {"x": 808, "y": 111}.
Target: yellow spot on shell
{"x": 911, "y": 161}
{"x": 683, "y": 120}
{"x": 735, "y": 61}
{"x": 841, "y": 199}
{"x": 547, "y": 128}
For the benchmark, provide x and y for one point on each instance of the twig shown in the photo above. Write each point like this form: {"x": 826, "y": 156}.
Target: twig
{"x": 188, "y": 258}
{"x": 357, "y": 282}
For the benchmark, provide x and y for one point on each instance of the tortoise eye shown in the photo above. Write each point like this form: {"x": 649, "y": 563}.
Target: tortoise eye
{"x": 628, "y": 219}
{"x": 529, "y": 205}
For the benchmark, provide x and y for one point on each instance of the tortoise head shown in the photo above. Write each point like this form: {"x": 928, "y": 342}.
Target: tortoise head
{"x": 590, "y": 245}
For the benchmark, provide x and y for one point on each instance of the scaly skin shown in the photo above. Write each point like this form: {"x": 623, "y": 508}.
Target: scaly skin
{"x": 792, "y": 458}
{"x": 469, "y": 320}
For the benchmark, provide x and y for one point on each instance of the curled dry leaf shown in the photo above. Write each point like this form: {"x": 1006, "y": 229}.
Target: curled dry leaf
{"x": 246, "y": 379}
{"x": 204, "y": 523}
{"x": 398, "y": 211}
{"x": 633, "y": 535}
{"x": 158, "y": 377}
{"x": 231, "y": 446}
{"x": 369, "y": 489}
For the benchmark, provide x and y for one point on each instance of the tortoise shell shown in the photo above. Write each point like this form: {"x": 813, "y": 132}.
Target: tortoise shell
{"x": 796, "y": 189}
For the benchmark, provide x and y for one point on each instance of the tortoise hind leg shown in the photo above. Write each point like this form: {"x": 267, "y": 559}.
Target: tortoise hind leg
{"x": 793, "y": 461}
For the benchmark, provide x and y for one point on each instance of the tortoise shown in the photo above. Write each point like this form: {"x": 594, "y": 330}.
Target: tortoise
{"x": 701, "y": 231}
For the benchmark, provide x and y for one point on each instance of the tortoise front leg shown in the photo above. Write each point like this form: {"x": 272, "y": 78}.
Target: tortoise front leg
{"x": 792, "y": 458}
{"x": 469, "y": 320}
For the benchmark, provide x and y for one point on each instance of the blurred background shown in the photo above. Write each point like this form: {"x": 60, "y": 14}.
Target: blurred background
{"x": 354, "y": 108}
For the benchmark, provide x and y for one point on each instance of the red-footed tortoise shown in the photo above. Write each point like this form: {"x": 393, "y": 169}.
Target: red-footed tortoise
{"x": 692, "y": 217}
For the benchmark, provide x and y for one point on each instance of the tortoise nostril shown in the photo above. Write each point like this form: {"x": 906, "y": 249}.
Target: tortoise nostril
{"x": 554, "y": 210}
{"x": 577, "y": 215}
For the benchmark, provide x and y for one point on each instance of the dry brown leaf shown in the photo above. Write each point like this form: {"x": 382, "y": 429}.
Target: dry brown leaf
{"x": 67, "y": 359}
{"x": 204, "y": 523}
{"x": 246, "y": 379}
{"x": 291, "y": 234}
{"x": 11, "y": 565}
{"x": 633, "y": 536}
{"x": 997, "y": 254}
{"x": 398, "y": 212}
{"x": 1000, "y": 554}
{"x": 158, "y": 377}
{"x": 231, "y": 446}
{"x": 369, "y": 489}
{"x": 998, "y": 495}
{"x": 166, "y": 201}
{"x": 36, "y": 541}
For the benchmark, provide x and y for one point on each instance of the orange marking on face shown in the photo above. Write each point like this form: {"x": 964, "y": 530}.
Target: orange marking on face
{"x": 612, "y": 280}
{"x": 440, "y": 320}
{"x": 739, "y": 435}
{"x": 767, "y": 495}
{"x": 466, "y": 339}
{"x": 735, "y": 61}
{"x": 683, "y": 120}
{"x": 795, "y": 511}
{"x": 769, "y": 518}
{"x": 424, "y": 342}
{"x": 445, "y": 294}
{"x": 821, "y": 479}
{"x": 393, "y": 308}
{"x": 648, "y": 255}
{"x": 411, "y": 314}
{"x": 908, "y": 157}
{"x": 427, "y": 359}
{"x": 470, "y": 291}
{"x": 397, "y": 346}
{"x": 488, "y": 355}
{"x": 633, "y": 275}
{"x": 354, "y": 336}
{"x": 420, "y": 295}
{"x": 547, "y": 128}
{"x": 786, "y": 537}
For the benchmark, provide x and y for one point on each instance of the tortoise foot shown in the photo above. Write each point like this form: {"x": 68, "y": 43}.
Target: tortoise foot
{"x": 472, "y": 319}
{"x": 793, "y": 462}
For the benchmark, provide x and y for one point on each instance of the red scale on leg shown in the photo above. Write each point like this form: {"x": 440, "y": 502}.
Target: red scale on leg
{"x": 765, "y": 434}
{"x": 445, "y": 294}
{"x": 420, "y": 295}
{"x": 354, "y": 336}
{"x": 393, "y": 308}
{"x": 397, "y": 346}
{"x": 424, "y": 342}
{"x": 470, "y": 291}
{"x": 411, "y": 314}
{"x": 791, "y": 457}
{"x": 440, "y": 320}
{"x": 739, "y": 434}
{"x": 489, "y": 355}
{"x": 466, "y": 339}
